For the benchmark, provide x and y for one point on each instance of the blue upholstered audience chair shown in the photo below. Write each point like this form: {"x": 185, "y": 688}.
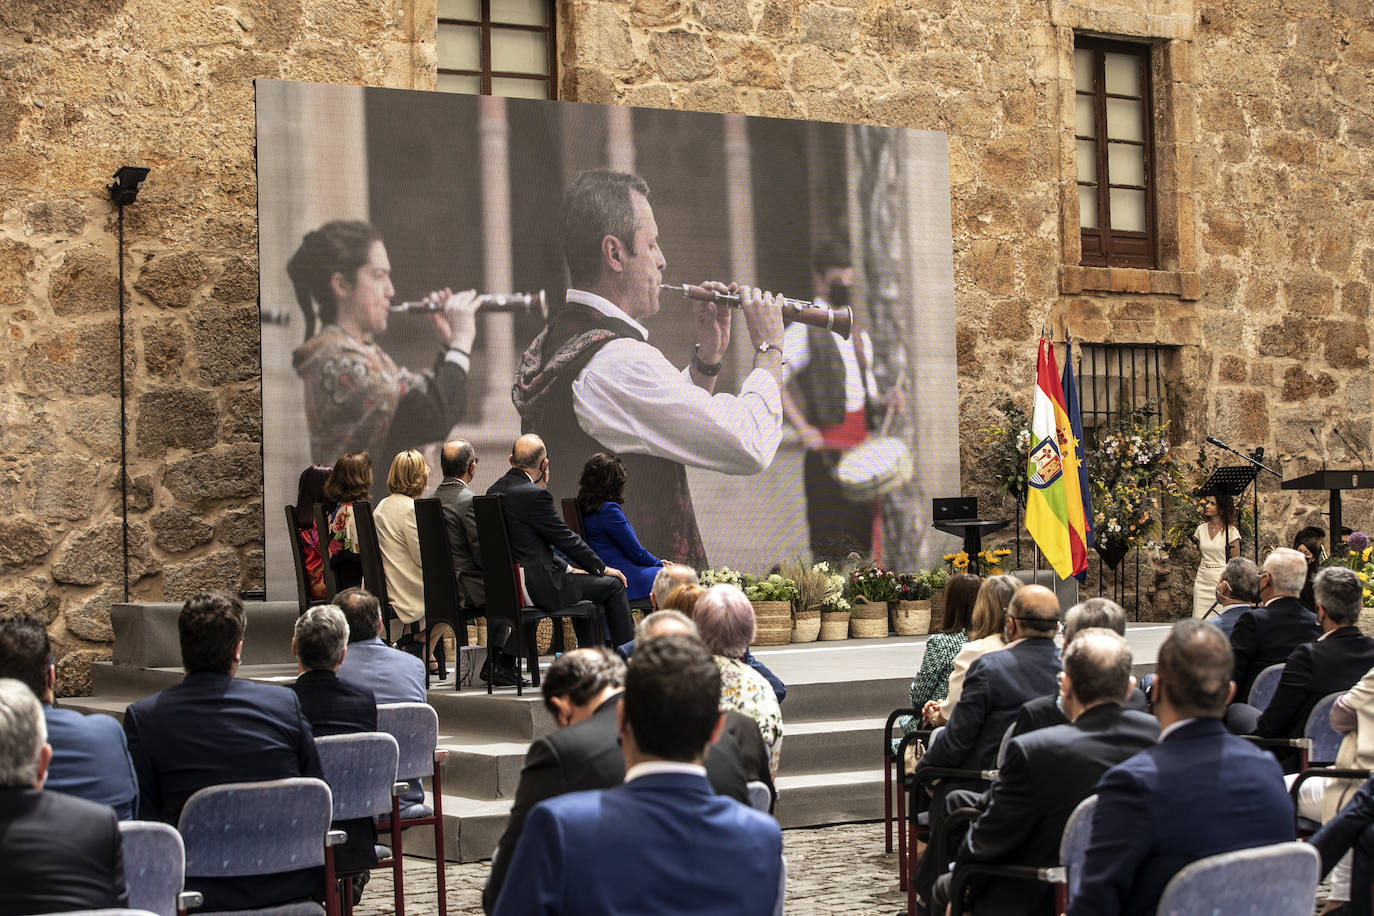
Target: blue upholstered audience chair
{"x": 1323, "y": 744}
{"x": 361, "y": 771}
{"x": 1266, "y": 682}
{"x": 155, "y": 868}
{"x": 1318, "y": 743}
{"x": 1278, "y": 880}
{"x": 760, "y": 798}
{"x": 245, "y": 829}
{"x": 415, "y": 726}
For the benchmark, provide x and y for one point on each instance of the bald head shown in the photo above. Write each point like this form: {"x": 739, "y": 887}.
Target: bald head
{"x": 669, "y": 578}
{"x": 1033, "y": 611}
{"x": 528, "y": 452}
{"x": 456, "y": 459}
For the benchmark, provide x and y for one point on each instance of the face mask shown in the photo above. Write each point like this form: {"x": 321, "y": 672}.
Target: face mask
{"x": 839, "y": 294}
{"x": 1059, "y": 705}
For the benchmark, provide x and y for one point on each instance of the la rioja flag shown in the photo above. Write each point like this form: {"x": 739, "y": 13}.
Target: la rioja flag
{"x": 1054, "y": 501}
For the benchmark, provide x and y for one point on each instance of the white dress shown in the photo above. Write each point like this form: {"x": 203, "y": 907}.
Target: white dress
{"x": 1209, "y": 570}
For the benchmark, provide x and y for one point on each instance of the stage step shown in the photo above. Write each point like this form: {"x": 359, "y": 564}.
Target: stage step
{"x": 842, "y": 797}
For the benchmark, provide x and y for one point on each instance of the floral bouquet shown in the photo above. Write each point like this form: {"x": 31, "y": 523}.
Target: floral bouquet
{"x": 1132, "y": 471}
{"x": 1008, "y": 449}
{"x": 773, "y": 587}
{"x": 1359, "y": 557}
{"x": 873, "y": 584}
{"x": 724, "y": 576}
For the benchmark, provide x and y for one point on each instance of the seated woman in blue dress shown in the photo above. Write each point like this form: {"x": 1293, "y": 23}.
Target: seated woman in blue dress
{"x": 600, "y": 491}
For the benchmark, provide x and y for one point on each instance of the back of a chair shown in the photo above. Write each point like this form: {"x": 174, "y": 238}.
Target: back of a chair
{"x": 1073, "y": 845}
{"x": 360, "y": 769}
{"x": 436, "y": 560}
{"x": 256, "y": 828}
{"x": 370, "y": 554}
{"x": 760, "y": 798}
{"x": 498, "y": 569}
{"x": 154, "y": 865}
{"x": 293, "y": 532}
{"x": 1265, "y": 683}
{"x": 331, "y": 583}
{"x": 1278, "y": 880}
{"x": 572, "y": 516}
{"x": 415, "y": 726}
{"x": 1326, "y": 741}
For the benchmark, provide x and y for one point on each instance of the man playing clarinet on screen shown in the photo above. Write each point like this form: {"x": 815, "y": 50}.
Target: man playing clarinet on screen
{"x": 592, "y": 382}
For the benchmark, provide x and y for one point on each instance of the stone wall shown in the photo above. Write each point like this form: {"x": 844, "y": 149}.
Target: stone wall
{"x": 1266, "y": 142}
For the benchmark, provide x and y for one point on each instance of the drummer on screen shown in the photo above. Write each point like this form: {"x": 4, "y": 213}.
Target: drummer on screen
{"x": 832, "y": 401}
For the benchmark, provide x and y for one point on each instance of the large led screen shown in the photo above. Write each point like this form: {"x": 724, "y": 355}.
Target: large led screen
{"x": 369, "y": 199}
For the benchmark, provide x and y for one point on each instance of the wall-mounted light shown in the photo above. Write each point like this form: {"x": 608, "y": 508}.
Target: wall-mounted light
{"x": 127, "y": 181}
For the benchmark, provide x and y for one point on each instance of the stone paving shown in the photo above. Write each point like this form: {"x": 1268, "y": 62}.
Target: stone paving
{"x": 840, "y": 869}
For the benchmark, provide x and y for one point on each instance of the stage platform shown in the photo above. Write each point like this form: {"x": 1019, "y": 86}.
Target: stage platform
{"x": 839, "y": 694}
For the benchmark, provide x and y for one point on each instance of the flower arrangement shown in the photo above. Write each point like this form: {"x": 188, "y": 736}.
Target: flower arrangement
{"x": 872, "y": 583}
{"x": 815, "y": 583}
{"x": 773, "y": 587}
{"x": 986, "y": 563}
{"x": 1359, "y": 557}
{"x": 1131, "y": 471}
{"x": 723, "y": 576}
{"x": 921, "y": 586}
{"x": 1008, "y": 449}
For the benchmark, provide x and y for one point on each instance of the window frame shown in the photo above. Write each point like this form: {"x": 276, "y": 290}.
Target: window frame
{"x": 484, "y": 26}
{"x": 1104, "y": 246}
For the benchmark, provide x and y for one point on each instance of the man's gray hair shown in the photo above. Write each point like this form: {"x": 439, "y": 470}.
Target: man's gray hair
{"x": 321, "y": 634}
{"x": 23, "y": 732}
{"x": 1092, "y": 613}
{"x": 725, "y": 619}
{"x": 1243, "y": 577}
{"x": 670, "y": 577}
{"x": 650, "y": 624}
{"x": 1340, "y": 593}
{"x": 1098, "y": 662}
{"x": 1287, "y": 570}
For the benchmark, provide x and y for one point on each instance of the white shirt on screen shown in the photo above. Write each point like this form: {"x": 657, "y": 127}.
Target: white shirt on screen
{"x": 796, "y": 347}
{"x": 631, "y": 399}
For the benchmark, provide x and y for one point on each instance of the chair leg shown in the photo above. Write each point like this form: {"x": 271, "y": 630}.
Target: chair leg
{"x": 439, "y": 840}
{"x": 887, "y": 803}
{"x": 532, "y": 650}
{"x": 398, "y": 887}
{"x": 901, "y": 835}
{"x": 331, "y": 884}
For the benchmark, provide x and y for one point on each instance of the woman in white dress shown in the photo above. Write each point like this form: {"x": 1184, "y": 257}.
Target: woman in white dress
{"x": 1219, "y": 540}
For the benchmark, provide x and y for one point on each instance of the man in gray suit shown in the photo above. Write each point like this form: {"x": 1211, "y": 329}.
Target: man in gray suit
{"x": 458, "y": 461}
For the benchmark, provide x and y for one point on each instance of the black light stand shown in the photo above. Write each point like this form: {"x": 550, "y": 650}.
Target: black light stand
{"x": 124, "y": 191}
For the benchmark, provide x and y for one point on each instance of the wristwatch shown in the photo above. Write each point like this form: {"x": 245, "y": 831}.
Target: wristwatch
{"x": 710, "y": 370}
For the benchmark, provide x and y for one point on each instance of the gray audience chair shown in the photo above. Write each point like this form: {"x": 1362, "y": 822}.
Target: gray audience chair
{"x": 1265, "y": 683}
{"x": 361, "y": 772}
{"x": 760, "y": 799}
{"x": 155, "y": 868}
{"x": 1278, "y": 880}
{"x": 415, "y": 726}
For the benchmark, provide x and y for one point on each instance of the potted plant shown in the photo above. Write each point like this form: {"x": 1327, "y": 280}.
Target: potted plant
{"x": 772, "y": 598}
{"x": 834, "y": 617}
{"x": 815, "y": 583}
{"x": 870, "y": 590}
{"x": 911, "y": 611}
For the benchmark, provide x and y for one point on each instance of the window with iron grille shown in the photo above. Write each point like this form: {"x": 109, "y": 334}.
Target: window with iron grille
{"x": 1113, "y": 133}
{"x": 498, "y": 47}
{"x": 1113, "y": 380}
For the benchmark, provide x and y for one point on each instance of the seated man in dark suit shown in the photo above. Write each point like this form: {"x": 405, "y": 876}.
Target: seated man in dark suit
{"x": 560, "y": 569}
{"x": 1334, "y": 663}
{"x": 60, "y": 852}
{"x": 335, "y": 707}
{"x": 1198, "y": 792}
{"x": 1238, "y": 591}
{"x": 1099, "y": 612}
{"x": 996, "y": 686}
{"x": 581, "y": 691}
{"x": 664, "y": 841}
{"x": 90, "y": 758}
{"x": 1047, "y": 773}
{"x": 1268, "y": 634}
{"x": 393, "y": 676}
{"x": 212, "y": 729}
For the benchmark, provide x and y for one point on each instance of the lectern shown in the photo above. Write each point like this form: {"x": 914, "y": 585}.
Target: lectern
{"x": 959, "y": 517}
{"x": 1334, "y": 482}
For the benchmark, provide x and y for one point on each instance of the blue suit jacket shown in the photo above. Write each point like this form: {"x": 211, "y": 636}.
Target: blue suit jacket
{"x": 996, "y": 686}
{"x": 1226, "y": 620}
{"x": 609, "y": 534}
{"x": 664, "y": 843}
{"x": 1199, "y": 792}
{"x": 90, "y": 760}
{"x": 393, "y": 676}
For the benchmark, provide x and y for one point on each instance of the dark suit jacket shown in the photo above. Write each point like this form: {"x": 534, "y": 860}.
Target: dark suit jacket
{"x": 1200, "y": 791}
{"x": 1313, "y": 670}
{"x": 212, "y": 729}
{"x": 1043, "y": 712}
{"x": 536, "y": 530}
{"x": 90, "y": 759}
{"x": 994, "y": 689}
{"x": 663, "y": 843}
{"x": 1267, "y": 636}
{"x": 60, "y": 853}
{"x": 1042, "y": 779}
{"x": 587, "y": 756}
{"x": 461, "y": 525}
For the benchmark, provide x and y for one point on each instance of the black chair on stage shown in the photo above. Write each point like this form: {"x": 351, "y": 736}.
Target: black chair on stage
{"x": 293, "y": 532}
{"x": 444, "y": 606}
{"x": 511, "y": 620}
{"x": 573, "y": 517}
{"x": 374, "y": 572}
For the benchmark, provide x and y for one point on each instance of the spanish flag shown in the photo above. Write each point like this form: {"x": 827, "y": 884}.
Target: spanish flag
{"x": 1054, "y": 500}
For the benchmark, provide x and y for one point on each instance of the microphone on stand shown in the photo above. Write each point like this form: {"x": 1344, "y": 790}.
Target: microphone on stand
{"x": 1213, "y": 440}
{"x": 1350, "y": 447}
{"x": 1321, "y": 448}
